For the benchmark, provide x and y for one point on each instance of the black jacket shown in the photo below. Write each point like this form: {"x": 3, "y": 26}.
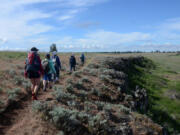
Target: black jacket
{"x": 72, "y": 61}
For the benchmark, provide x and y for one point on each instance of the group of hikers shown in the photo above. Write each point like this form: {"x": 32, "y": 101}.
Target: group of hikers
{"x": 49, "y": 69}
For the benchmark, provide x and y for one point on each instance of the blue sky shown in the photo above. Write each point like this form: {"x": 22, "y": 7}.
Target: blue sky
{"x": 90, "y": 25}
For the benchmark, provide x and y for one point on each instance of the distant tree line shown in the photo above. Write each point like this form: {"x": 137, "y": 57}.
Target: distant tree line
{"x": 156, "y": 51}
{"x": 54, "y": 48}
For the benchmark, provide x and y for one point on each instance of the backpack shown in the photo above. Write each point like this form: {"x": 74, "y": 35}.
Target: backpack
{"x": 45, "y": 65}
{"x": 54, "y": 61}
{"x": 32, "y": 63}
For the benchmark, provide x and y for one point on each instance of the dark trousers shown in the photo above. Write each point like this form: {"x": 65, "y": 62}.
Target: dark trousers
{"x": 72, "y": 67}
{"x": 57, "y": 71}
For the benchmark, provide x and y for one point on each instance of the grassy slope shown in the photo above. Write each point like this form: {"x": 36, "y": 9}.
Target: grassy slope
{"x": 159, "y": 82}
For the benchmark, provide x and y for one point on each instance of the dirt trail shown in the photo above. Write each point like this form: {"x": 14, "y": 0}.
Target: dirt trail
{"x": 22, "y": 121}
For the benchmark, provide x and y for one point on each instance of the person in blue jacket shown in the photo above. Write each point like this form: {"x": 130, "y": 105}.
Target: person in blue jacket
{"x": 57, "y": 65}
{"x": 82, "y": 58}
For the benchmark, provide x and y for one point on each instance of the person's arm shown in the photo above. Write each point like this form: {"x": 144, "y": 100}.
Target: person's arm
{"x": 58, "y": 61}
{"x": 59, "y": 64}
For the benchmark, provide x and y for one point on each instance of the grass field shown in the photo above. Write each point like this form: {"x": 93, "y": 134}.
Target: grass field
{"x": 161, "y": 79}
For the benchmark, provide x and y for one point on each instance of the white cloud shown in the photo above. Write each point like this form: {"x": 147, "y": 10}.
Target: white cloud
{"x": 171, "y": 25}
{"x": 103, "y": 39}
{"x": 65, "y": 17}
{"x": 18, "y": 22}
{"x": 84, "y": 3}
{"x": 3, "y": 40}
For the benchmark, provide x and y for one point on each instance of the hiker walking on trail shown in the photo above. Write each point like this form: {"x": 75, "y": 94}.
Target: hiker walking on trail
{"x": 82, "y": 58}
{"x": 72, "y": 63}
{"x": 49, "y": 69}
{"x": 57, "y": 65}
{"x": 34, "y": 70}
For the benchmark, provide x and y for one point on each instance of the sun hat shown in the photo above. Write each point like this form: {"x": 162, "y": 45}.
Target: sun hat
{"x": 34, "y": 49}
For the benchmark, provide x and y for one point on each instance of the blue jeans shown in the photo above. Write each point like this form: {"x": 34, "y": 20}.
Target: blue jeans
{"x": 47, "y": 77}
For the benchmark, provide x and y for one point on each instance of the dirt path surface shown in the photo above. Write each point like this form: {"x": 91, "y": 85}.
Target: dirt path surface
{"x": 22, "y": 121}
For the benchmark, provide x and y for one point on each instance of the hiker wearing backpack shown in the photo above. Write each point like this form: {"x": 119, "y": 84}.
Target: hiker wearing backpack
{"x": 72, "y": 63}
{"x": 82, "y": 58}
{"x": 49, "y": 70}
{"x": 57, "y": 65}
{"x": 33, "y": 70}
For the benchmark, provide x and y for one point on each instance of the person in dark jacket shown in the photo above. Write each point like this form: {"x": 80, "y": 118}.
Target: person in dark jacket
{"x": 57, "y": 65}
{"x": 72, "y": 63}
{"x": 82, "y": 58}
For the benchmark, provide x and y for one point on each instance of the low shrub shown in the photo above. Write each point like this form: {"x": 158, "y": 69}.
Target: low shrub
{"x": 69, "y": 81}
{"x": 95, "y": 92}
{"x": 93, "y": 65}
{"x": 70, "y": 88}
{"x": 1, "y": 103}
{"x": 114, "y": 74}
{"x": 91, "y": 72}
{"x": 86, "y": 70}
{"x": 104, "y": 88}
{"x": 18, "y": 80}
{"x": 27, "y": 86}
{"x": 69, "y": 120}
{"x": 1, "y": 90}
{"x": 42, "y": 107}
{"x": 62, "y": 96}
{"x": 85, "y": 79}
{"x": 105, "y": 78}
{"x": 79, "y": 85}
{"x": 13, "y": 94}
{"x": 77, "y": 74}
{"x": 12, "y": 72}
{"x": 60, "y": 133}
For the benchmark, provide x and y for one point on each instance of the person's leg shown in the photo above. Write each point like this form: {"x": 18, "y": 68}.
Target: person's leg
{"x": 50, "y": 81}
{"x": 71, "y": 68}
{"x": 57, "y": 73}
{"x": 74, "y": 68}
{"x": 44, "y": 85}
{"x": 33, "y": 87}
{"x": 37, "y": 81}
{"x": 45, "y": 82}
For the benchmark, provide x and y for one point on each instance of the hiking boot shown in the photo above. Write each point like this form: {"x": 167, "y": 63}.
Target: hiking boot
{"x": 34, "y": 97}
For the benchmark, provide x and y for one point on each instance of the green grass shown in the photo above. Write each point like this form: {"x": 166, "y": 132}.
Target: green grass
{"x": 12, "y": 55}
{"x": 157, "y": 77}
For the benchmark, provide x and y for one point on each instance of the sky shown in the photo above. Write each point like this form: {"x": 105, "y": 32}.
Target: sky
{"x": 90, "y": 25}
